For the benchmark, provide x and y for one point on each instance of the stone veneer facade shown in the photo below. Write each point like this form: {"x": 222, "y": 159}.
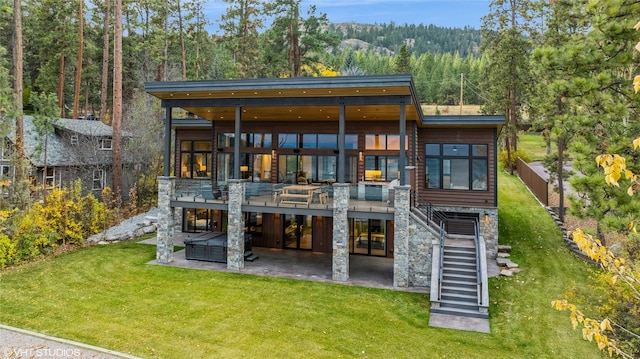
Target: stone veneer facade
{"x": 164, "y": 248}
{"x": 421, "y": 240}
{"x": 401, "y": 236}
{"x": 340, "y": 232}
{"x": 235, "y": 226}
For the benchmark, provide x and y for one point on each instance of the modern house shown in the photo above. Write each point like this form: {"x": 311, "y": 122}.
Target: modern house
{"x": 73, "y": 149}
{"x": 343, "y": 165}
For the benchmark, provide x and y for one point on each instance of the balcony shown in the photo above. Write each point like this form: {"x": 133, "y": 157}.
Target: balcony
{"x": 365, "y": 196}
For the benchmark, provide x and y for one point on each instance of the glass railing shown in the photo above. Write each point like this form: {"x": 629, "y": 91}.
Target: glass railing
{"x": 365, "y": 196}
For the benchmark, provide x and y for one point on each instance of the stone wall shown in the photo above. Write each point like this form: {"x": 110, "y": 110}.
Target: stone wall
{"x": 420, "y": 253}
{"x": 340, "y": 232}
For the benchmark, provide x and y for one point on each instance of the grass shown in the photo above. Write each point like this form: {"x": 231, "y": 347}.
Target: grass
{"x": 451, "y": 110}
{"x": 107, "y": 296}
{"x": 533, "y": 145}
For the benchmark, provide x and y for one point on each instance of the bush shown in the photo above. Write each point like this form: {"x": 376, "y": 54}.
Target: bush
{"x": 503, "y": 158}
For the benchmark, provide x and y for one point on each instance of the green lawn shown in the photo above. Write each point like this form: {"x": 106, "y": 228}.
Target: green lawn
{"x": 533, "y": 145}
{"x": 107, "y": 296}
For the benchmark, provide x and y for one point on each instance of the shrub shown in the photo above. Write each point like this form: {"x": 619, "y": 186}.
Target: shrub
{"x": 503, "y": 158}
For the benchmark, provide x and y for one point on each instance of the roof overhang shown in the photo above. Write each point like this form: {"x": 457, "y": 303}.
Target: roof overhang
{"x": 293, "y": 99}
{"x": 465, "y": 121}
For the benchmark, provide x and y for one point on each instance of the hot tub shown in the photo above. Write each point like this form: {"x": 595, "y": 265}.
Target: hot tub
{"x": 210, "y": 246}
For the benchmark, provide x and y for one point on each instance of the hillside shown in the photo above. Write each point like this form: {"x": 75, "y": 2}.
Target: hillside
{"x": 421, "y": 38}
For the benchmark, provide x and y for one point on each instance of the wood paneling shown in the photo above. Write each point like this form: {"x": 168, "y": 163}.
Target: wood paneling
{"x": 322, "y": 234}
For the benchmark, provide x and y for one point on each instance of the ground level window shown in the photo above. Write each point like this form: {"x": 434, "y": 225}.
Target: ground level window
{"x": 98, "y": 180}
{"x": 456, "y": 166}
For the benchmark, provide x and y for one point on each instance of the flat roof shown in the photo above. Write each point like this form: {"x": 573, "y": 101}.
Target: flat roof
{"x": 293, "y": 99}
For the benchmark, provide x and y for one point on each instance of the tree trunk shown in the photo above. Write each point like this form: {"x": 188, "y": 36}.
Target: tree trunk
{"x": 117, "y": 100}
{"x": 184, "y": 55}
{"x": 76, "y": 95}
{"x": 104, "y": 89}
{"x": 61, "y": 87}
{"x": 18, "y": 69}
{"x": 560, "y": 177}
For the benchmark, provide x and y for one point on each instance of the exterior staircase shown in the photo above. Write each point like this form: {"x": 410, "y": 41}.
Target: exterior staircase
{"x": 459, "y": 286}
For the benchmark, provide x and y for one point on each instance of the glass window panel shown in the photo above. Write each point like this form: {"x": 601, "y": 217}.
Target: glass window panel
{"x": 350, "y": 142}
{"x": 226, "y": 139}
{"x": 224, "y": 168}
{"x": 309, "y": 141}
{"x": 326, "y": 169}
{"x": 328, "y": 141}
{"x": 261, "y": 168}
{"x": 202, "y": 145}
{"x": 185, "y": 145}
{"x": 351, "y": 169}
{"x": 185, "y": 165}
{"x": 287, "y": 140}
{"x": 432, "y": 149}
{"x": 480, "y": 150}
{"x": 433, "y": 173}
{"x": 262, "y": 140}
{"x": 393, "y": 142}
{"x": 201, "y": 169}
{"x": 375, "y": 142}
{"x": 459, "y": 174}
{"x": 392, "y": 169}
{"x": 479, "y": 174}
{"x": 287, "y": 169}
{"x": 455, "y": 150}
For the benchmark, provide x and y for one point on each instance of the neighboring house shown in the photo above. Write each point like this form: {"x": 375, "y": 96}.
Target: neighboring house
{"x": 343, "y": 165}
{"x": 75, "y": 149}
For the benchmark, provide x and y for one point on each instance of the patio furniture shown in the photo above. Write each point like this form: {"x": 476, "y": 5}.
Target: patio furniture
{"x": 298, "y": 194}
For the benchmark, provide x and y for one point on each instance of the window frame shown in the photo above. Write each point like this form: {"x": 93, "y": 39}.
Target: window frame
{"x": 476, "y": 156}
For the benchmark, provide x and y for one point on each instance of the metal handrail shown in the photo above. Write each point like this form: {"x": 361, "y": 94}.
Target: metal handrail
{"x": 441, "y": 269}
{"x": 476, "y": 228}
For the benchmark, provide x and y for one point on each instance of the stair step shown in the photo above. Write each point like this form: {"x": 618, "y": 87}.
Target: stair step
{"x": 458, "y": 304}
{"x": 458, "y": 284}
{"x": 467, "y": 265}
{"x": 459, "y": 290}
{"x": 460, "y": 297}
{"x": 460, "y": 249}
{"x": 449, "y": 257}
{"x": 460, "y": 312}
{"x": 459, "y": 272}
{"x": 460, "y": 277}
{"x": 251, "y": 258}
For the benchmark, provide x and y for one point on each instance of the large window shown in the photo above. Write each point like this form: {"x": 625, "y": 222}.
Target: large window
{"x": 456, "y": 166}
{"x": 316, "y": 141}
{"x": 384, "y": 142}
{"x": 195, "y": 159}
{"x": 98, "y": 180}
{"x": 250, "y": 140}
{"x": 306, "y": 169}
{"x": 381, "y": 168}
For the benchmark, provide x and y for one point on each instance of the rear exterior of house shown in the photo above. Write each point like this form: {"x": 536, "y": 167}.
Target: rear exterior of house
{"x": 345, "y": 165}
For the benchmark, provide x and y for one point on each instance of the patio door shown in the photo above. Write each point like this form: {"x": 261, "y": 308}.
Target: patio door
{"x": 368, "y": 236}
{"x": 298, "y": 231}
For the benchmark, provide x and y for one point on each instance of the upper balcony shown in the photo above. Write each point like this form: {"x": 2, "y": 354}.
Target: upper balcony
{"x": 366, "y": 196}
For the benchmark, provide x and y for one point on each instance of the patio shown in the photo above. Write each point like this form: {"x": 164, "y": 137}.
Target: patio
{"x": 364, "y": 271}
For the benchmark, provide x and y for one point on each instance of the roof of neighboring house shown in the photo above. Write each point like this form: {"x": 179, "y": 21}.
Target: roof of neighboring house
{"x": 61, "y": 152}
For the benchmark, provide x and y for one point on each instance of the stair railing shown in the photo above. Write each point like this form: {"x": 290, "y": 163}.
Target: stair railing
{"x": 441, "y": 269}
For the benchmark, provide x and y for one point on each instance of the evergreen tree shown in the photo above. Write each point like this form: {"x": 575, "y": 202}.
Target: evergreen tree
{"x": 403, "y": 61}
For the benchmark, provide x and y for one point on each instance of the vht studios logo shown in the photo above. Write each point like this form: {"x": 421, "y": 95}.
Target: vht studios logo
{"x": 41, "y": 353}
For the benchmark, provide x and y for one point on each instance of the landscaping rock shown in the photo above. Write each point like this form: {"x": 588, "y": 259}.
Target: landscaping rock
{"x": 511, "y": 265}
{"x": 506, "y": 273}
{"x": 502, "y": 262}
{"x": 503, "y": 255}
{"x": 134, "y": 227}
{"x": 504, "y": 248}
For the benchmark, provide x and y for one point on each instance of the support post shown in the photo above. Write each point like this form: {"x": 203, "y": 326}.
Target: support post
{"x": 235, "y": 226}
{"x": 340, "y": 232}
{"x": 165, "y": 232}
{"x": 401, "y": 237}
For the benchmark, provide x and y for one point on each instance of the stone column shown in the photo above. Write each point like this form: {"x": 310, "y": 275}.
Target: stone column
{"x": 401, "y": 236}
{"x": 235, "y": 226}
{"x": 340, "y": 232}
{"x": 166, "y": 221}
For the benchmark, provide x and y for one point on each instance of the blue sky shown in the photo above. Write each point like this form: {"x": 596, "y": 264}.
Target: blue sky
{"x": 447, "y": 13}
